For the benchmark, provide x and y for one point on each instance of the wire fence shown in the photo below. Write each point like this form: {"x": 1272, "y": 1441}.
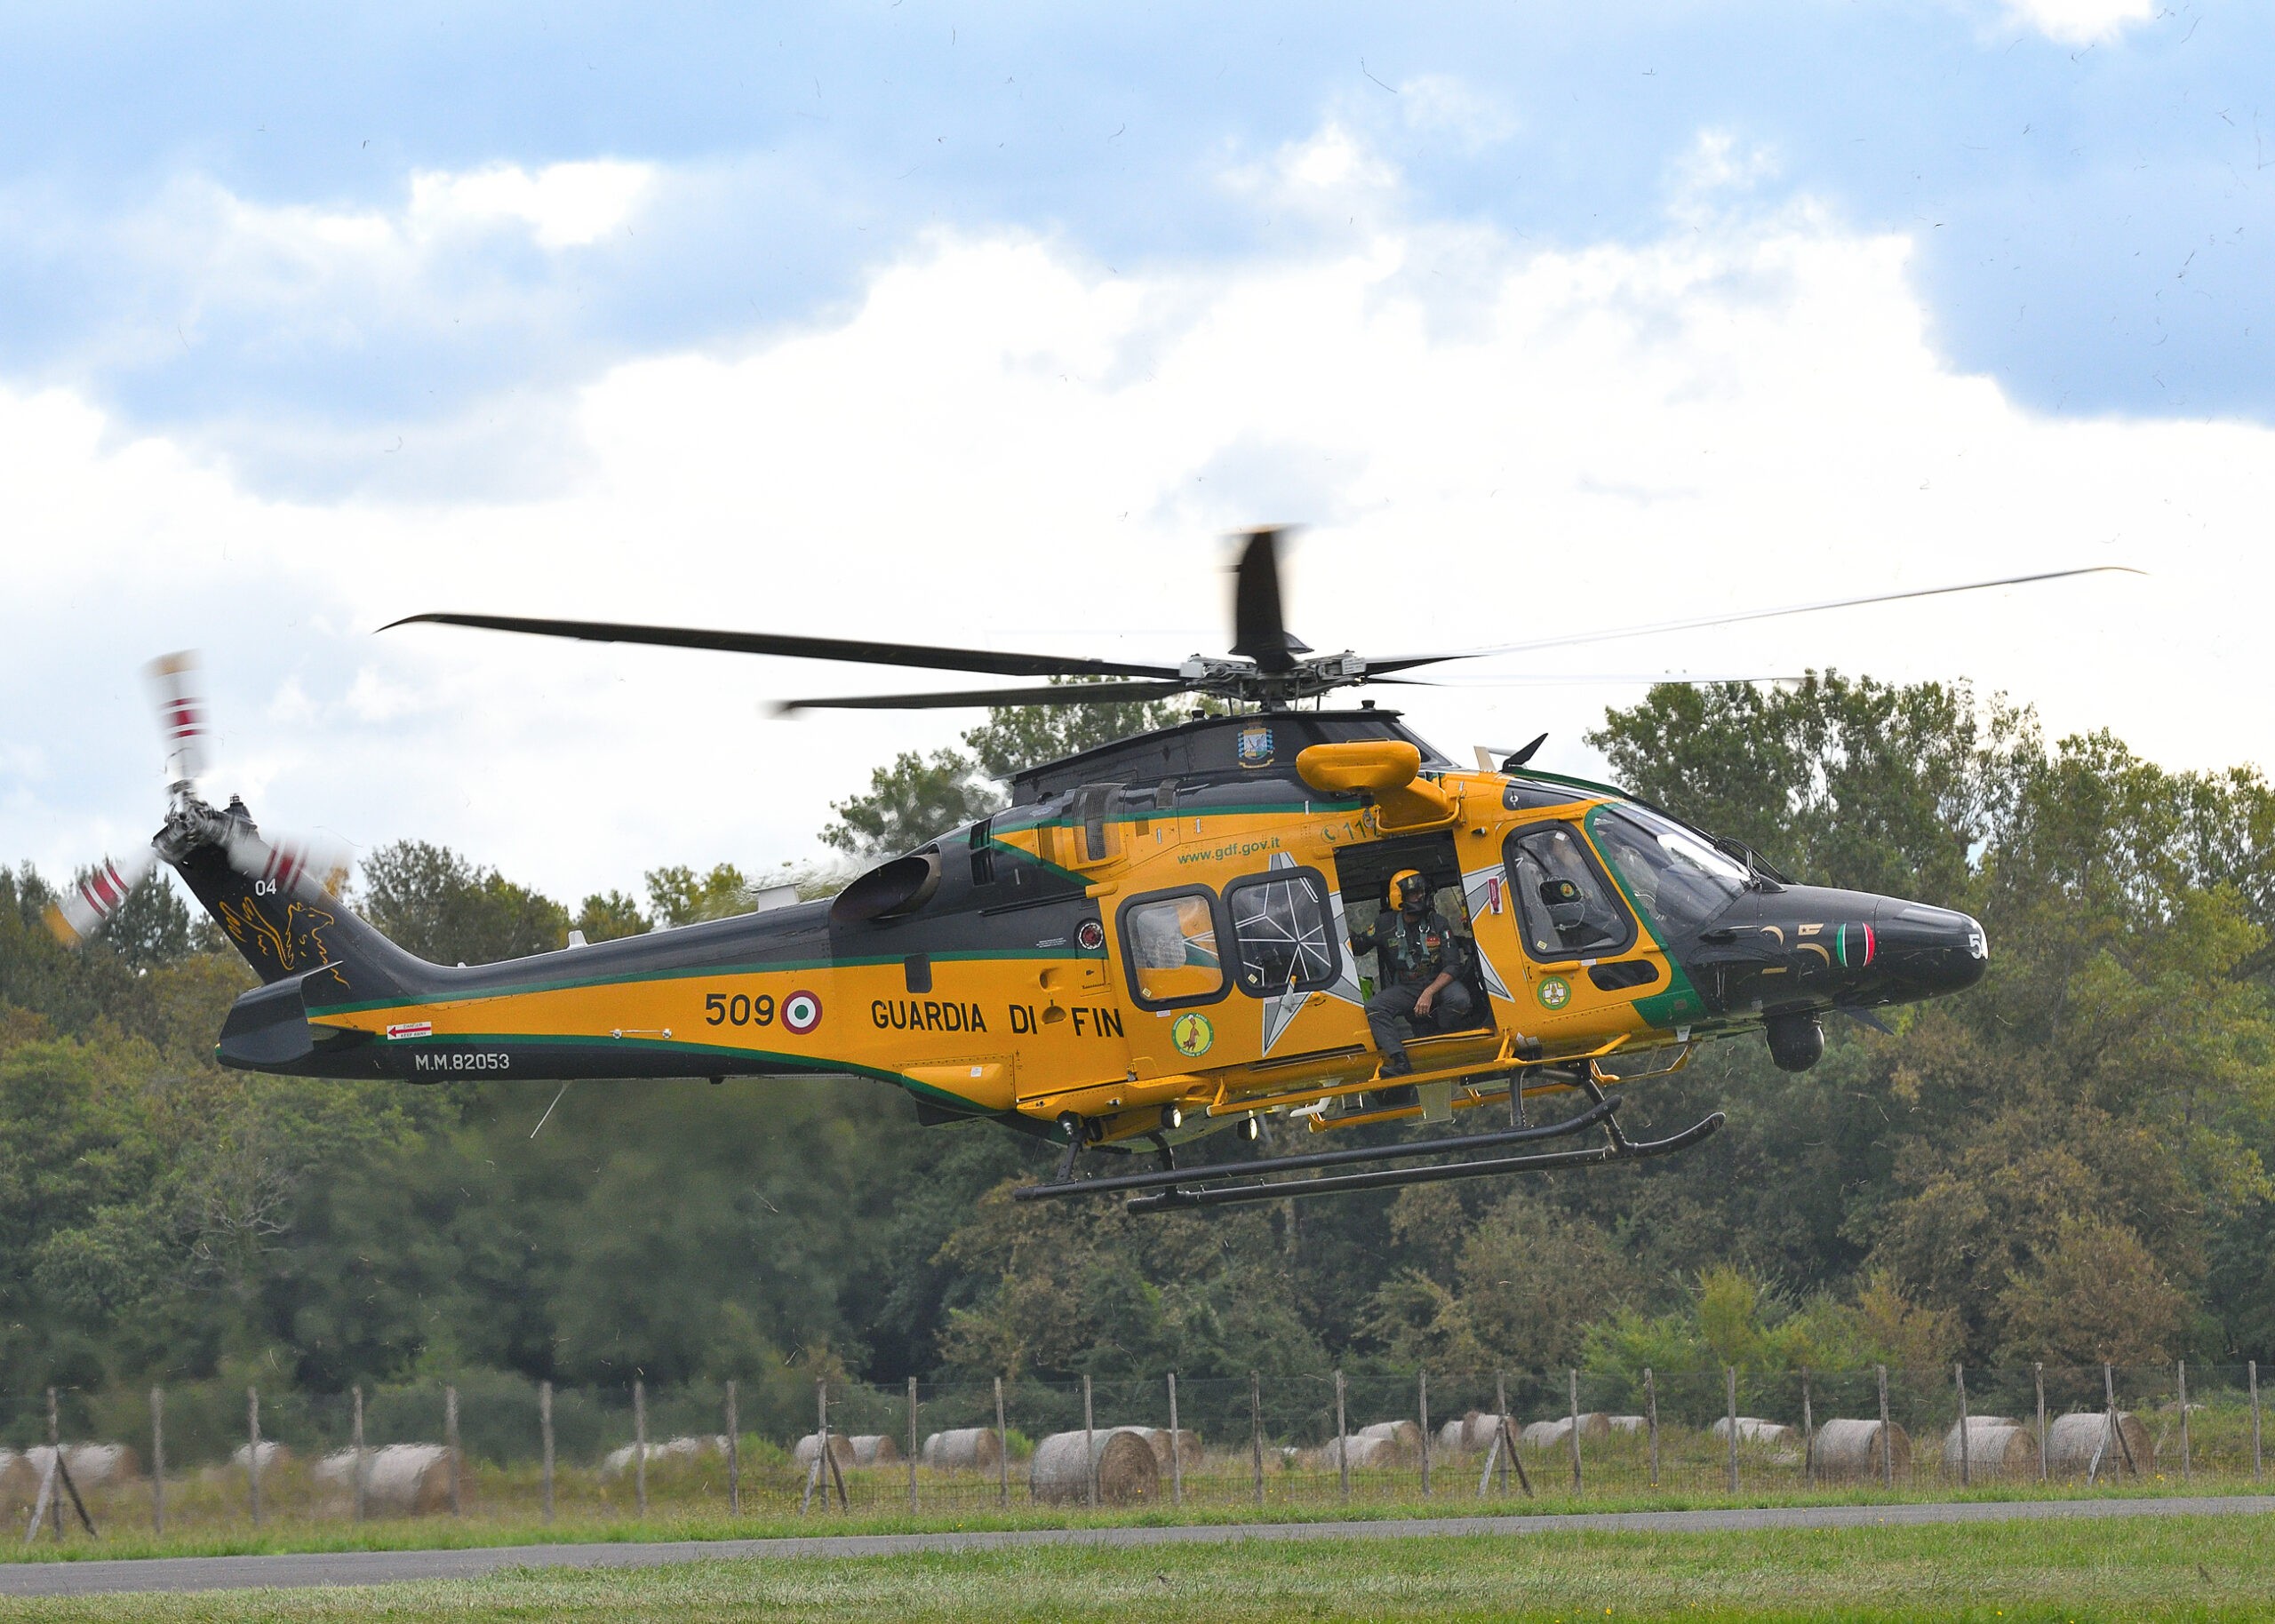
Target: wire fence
{"x": 209, "y": 1458}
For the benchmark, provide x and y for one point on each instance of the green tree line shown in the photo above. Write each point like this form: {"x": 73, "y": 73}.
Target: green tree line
{"x": 2067, "y": 1164}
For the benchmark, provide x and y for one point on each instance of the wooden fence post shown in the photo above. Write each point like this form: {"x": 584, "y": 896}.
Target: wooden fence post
{"x": 1651, "y": 1420}
{"x": 545, "y": 1431}
{"x": 1256, "y": 1428}
{"x": 640, "y": 1443}
{"x": 1730, "y": 1380}
{"x": 912, "y": 1447}
{"x": 450, "y": 1446}
{"x": 1573, "y": 1377}
{"x": 2110, "y": 1428}
{"x": 252, "y": 1452}
{"x": 1422, "y": 1403}
{"x": 1808, "y": 1434}
{"x": 1888, "y": 1447}
{"x": 1176, "y": 1449}
{"x": 1501, "y": 1413}
{"x": 2181, "y": 1368}
{"x": 1002, "y": 1450}
{"x": 157, "y": 1460}
{"x": 360, "y": 1467}
{"x": 1342, "y": 1438}
{"x": 1958, "y": 1376}
{"x": 55, "y": 1459}
{"x": 2038, "y": 1383}
{"x": 734, "y": 1454}
{"x": 2255, "y": 1421}
{"x": 1089, "y": 1447}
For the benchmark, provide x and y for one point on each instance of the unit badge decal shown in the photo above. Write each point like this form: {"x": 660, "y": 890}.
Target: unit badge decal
{"x": 1255, "y": 746}
{"x": 1554, "y": 993}
{"x": 1193, "y": 1035}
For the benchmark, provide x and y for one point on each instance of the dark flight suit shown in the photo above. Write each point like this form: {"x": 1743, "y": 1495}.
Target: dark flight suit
{"x": 1409, "y": 954}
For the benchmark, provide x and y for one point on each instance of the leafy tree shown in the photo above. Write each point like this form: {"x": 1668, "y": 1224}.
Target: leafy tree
{"x": 1839, "y": 780}
{"x": 910, "y": 801}
{"x": 605, "y": 915}
{"x": 2092, "y": 1293}
{"x": 681, "y": 896}
{"x": 1089, "y": 1289}
{"x": 151, "y": 926}
{"x": 431, "y": 902}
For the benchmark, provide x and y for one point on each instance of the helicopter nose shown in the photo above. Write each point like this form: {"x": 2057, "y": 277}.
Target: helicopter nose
{"x": 1930, "y": 951}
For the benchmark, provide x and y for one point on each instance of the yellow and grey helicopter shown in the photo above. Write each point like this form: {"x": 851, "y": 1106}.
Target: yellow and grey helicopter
{"x": 1156, "y": 939}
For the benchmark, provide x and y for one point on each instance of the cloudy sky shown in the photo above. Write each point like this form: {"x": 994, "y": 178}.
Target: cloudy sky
{"x": 985, "y": 324}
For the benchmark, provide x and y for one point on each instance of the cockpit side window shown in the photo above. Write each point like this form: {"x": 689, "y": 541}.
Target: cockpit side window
{"x": 1676, "y": 878}
{"x": 1564, "y": 900}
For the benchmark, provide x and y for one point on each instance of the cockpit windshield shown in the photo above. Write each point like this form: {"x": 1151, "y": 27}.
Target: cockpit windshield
{"x": 1681, "y": 880}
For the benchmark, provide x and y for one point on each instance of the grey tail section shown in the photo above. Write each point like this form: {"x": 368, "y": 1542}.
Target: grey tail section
{"x": 292, "y": 929}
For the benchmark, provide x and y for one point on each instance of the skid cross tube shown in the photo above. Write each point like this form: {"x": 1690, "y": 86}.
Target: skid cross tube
{"x": 1600, "y": 1112}
{"x": 1622, "y": 1148}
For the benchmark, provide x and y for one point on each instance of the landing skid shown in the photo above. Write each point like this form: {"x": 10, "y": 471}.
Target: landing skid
{"x": 1171, "y": 1194}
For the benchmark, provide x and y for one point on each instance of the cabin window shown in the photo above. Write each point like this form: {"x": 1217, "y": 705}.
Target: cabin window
{"x": 1564, "y": 900}
{"x": 1285, "y": 932}
{"x": 1170, "y": 942}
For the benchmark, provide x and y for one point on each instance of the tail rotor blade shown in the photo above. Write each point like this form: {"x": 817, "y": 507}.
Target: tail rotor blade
{"x": 1259, "y": 632}
{"x": 288, "y": 860}
{"x": 181, "y": 713}
{"x": 82, "y": 909}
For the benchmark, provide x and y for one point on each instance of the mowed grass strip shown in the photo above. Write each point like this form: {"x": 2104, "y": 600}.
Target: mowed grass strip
{"x": 2179, "y": 1568}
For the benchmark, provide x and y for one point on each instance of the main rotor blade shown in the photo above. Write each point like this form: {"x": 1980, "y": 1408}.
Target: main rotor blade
{"x": 1258, "y": 632}
{"x": 1067, "y": 693}
{"x": 861, "y": 650}
{"x": 1406, "y": 662}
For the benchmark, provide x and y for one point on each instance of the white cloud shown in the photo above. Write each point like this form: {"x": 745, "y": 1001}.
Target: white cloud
{"x": 1005, "y": 445}
{"x": 2081, "y": 22}
{"x": 564, "y": 205}
{"x": 1441, "y": 104}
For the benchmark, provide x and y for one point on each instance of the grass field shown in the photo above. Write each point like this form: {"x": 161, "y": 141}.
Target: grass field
{"x": 2177, "y": 1568}
{"x": 126, "y": 1534}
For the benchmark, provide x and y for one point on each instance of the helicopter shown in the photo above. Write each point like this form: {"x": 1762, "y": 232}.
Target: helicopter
{"x": 1156, "y": 940}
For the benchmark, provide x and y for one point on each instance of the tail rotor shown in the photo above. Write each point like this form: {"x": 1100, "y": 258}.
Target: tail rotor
{"x": 278, "y": 867}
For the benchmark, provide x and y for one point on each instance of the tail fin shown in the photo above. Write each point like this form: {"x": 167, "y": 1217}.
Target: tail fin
{"x": 287, "y": 925}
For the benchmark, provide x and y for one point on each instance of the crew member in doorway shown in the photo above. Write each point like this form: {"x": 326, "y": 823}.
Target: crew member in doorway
{"x": 1417, "y": 970}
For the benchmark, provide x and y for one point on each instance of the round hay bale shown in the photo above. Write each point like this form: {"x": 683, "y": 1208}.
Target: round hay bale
{"x": 808, "y": 1447}
{"x": 91, "y": 1466}
{"x": 19, "y": 1483}
{"x": 1627, "y": 1423}
{"x": 1400, "y": 1443}
{"x": 1188, "y": 1445}
{"x": 1996, "y": 1447}
{"x": 1127, "y": 1472}
{"x": 2073, "y": 1442}
{"x": 874, "y": 1449}
{"x": 1364, "y": 1453}
{"x": 963, "y": 1449}
{"x": 1852, "y": 1451}
{"x": 1753, "y": 1429}
{"x": 1595, "y": 1426}
{"x": 273, "y": 1454}
{"x": 1471, "y": 1435}
{"x": 399, "y": 1479}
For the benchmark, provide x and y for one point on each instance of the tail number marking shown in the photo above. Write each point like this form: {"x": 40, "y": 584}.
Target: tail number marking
{"x": 479, "y": 1060}
{"x": 737, "y": 1009}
